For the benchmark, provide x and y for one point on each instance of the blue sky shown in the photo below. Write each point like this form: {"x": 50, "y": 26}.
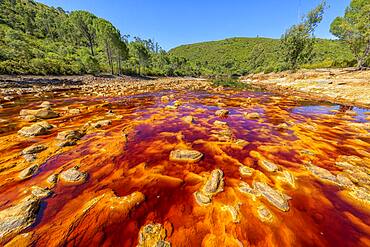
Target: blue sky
{"x": 175, "y": 22}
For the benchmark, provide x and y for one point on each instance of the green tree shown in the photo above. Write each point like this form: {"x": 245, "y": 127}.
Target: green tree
{"x": 85, "y": 24}
{"x": 297, "y": 42}
{"x": 354, "y": 29}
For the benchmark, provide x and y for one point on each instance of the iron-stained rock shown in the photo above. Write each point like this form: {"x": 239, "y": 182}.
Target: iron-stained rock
{"x": 272, "y": 196}
{"x": 268, "y": 165}
{"x": 252, "y": 115}
{"x": 15, "y": 219}
{"x": 34, "y": 149}
{"x": 69, "y": 135}
{"x": 183, "y": 155}
{"x": 222, "y": 113}
{"x": 28, "y": 172}
{"x": 152, "y": 235}
{"x": 73, "y": 175}
{"x": 321, "y": 173}
{"x": 33, "y": 130}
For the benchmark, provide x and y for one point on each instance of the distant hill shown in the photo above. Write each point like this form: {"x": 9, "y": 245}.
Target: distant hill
{"x": 251, "y": 55}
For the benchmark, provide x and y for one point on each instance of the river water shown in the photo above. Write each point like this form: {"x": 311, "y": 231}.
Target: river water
{"x": 291, "y": 133}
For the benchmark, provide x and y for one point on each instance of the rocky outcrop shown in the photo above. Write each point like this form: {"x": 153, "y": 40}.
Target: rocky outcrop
{"x": 153, "y": 235}
{"x": 15, "y": 219}
{"x": 272, "y": 196}
{"x": 183, "y": 155}
{"x": 213, "y": 185}
{"x": 73, "y": 176}
{"x": 40, "y": 192}
{"x": 102, "y": 123}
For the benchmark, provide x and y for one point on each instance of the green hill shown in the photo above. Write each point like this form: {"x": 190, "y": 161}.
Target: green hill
{"x": 251, "y": 55}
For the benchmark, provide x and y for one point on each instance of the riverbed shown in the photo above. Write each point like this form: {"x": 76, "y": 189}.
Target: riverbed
{"x": 293, "y": 171}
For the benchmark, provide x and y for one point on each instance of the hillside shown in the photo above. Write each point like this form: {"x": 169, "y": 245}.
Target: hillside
{"x": 251, "y": 55}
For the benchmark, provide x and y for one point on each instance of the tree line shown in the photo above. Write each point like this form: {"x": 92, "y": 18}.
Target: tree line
{"x": 37, "y": 39}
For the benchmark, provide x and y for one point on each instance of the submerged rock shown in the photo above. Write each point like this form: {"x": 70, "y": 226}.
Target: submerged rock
{"x": 33, "y": 149}
{"x": 29, "y": 157}
{"x": 165, "y": 99}
{"x": 222, "y": 113}
{"x": 28, "y": 172}
{"x": 15, "y": 219}
{"x": 272, "y": 196}
{"x": 45, "y": 104}
{"x": 220, "y": 124}
{"x": 289, "y": 178}
{"x": 183, "y": 155}
{"x": 45, "y": 113}
{"x": 73, "y": 175}
{"x": 67, "y": 143}
{"x": 212, "y": 186}
{"x": 153, "y": 235}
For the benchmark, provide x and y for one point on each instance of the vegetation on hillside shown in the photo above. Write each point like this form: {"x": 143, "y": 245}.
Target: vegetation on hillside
{"x": 37, "y": 39}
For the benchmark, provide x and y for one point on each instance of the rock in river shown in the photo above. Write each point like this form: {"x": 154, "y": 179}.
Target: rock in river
{"x": 73, "y": 175}
{"x": 36, "y": 129}
{"x": 212, "y": 186}
{"x": 272, "y": 196}
{"x": 252, "y": 115}
{"x": 33, "y": 149}
{"x": 222, "y": 113}
{"x": 69, "y": 135}
{"x": 183, "y": 155}
{"x": 321, "y": 173}
{"x": 15, "y": 219}
{"x": 28, "y": 172}
{"x": 153, "y": 235}
{"x": 268, "y": 165}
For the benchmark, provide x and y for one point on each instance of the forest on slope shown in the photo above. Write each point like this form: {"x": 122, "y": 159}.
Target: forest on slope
{"x": 253, "y": 55}
{"x": 42, "y": 40}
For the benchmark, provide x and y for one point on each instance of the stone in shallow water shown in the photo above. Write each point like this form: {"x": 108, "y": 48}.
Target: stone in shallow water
{"x": 211, "y": 187}
{"x": 183, "y": 155}
{"x": 67, "y": 143}
{"x": 152, "y": 235}
{"x": 69, "y": 135}
{"x": 102, "y": 123}
{"x": 29, "y": 157}
{"x": 221, "y": 124}
{"x": 321, "y": 173}
{"x": 282, "y": 126}
{"x": 28, "y": 172}
{"x": 15, "y": 219}
{"x": 252, "y": 115}
{"x": 272, "y": 196}
{"x": 188, "y": 119}
{"x": 222, "y": 113}
{"x": 52, "y": 179}
{"x": 246, "y": 188}
{"x": 33, "y": 149}
{"x": 73, "y": 176}
{"x": 214, "y": 182}
{"x": 46, "y": 114}
{"x": 245, "y": 171}
{"x": 165, "y": 99}
{"x": 268, "y": 165}
{"x": 289, "y": 178}
{"x": 361, "y": 194}
{"x": 33, "y": 130}
{"x": 40, "y": 192}
{"x": 264, "y": 214}
{"x": 344, "y": 181}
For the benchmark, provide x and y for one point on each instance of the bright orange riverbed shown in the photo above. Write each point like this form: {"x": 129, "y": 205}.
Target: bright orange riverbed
{"x": 132, "y": 155}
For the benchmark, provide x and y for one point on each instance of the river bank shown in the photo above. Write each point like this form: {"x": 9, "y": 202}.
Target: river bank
{"x": 340, "y": 86}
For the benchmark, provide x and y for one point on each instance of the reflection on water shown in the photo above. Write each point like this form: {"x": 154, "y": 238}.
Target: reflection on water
{"x": 132, "y": 155}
